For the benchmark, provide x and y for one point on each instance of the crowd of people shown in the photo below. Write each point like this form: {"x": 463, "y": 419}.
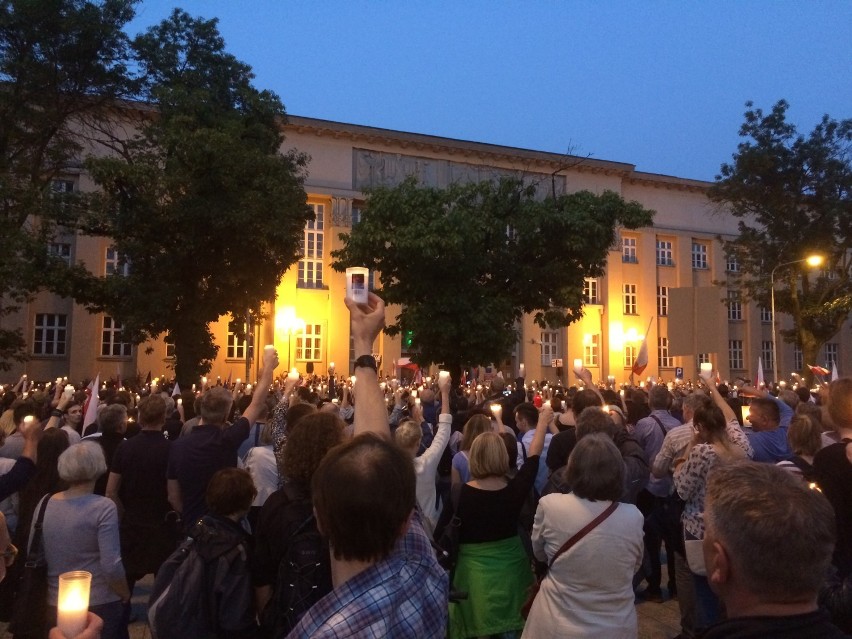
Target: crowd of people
{"x": 301, "y": 509}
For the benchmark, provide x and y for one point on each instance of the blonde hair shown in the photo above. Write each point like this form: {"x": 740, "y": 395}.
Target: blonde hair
{"x": 474, "y": 427}
{"x": 408, "y": 435}
{"x": 488, "y": 456}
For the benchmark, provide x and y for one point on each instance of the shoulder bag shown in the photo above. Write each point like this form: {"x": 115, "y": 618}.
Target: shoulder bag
{"x": 525, "y": 609}
{"x": 29, "y": 616}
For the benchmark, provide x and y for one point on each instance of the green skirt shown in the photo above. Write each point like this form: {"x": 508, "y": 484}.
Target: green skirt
{"x": 496, "y": 575}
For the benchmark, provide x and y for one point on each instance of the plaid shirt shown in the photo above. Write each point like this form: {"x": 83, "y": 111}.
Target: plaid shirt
{"x": 404, "y": 596}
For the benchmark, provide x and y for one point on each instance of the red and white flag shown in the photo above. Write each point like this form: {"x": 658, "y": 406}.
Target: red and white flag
{"x": 818, "y": 370}
{"x": 90, "y": 410}
{"x": 641, "y": 361}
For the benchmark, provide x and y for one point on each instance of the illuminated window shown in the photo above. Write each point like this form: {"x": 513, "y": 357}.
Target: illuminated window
{"x": 590, "y": 290}
{"x": 630, "y": 299}
{"x": 309, "y": 343}
{"x": 662, "y": 301}
{"x": 311, "y": 246}
{"x": 590, "y": 350}
{"x": 629, "y": 356}
{"x": 237, "y": 347}
{"x": 664, "y": 359}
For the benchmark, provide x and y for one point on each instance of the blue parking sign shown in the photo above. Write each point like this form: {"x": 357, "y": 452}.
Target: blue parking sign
{"x": 679, "y": 373}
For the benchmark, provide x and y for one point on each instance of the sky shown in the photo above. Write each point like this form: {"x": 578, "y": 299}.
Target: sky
{"x": 661, "y": 85}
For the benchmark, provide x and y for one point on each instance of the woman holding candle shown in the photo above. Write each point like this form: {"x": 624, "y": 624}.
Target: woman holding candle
{"x": 81, "y": 533}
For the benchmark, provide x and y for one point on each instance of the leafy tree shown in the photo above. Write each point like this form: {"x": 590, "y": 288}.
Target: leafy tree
{"x": 61, "y": 62}
{"x": 200, "y": 203}
{"x": 467, "y": 262}
{"x": 793, "y": 196}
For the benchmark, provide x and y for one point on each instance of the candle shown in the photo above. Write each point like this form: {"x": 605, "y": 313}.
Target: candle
{"x": 69, "y": 391}
{"x": 706, "y": 367}
{"x": 578, "y": 365}
{"x": 521, "y": 369}
{"x": 417, "y": 401}
{"x": 203, "y": 380}
{"x": 442, "y": 375}
{"x": 238, "y": 381}
{"x": 293, "y": 374}
{"x": 352, "y": 379}
{"x": 496, "y": 408}
{"x": 331, "y": 365}
{"x": 180, "y": 401}
{"x": 73, "y": 601}
{"x": 428, "y": 379}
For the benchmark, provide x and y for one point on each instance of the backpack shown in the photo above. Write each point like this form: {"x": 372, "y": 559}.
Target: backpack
{"x": 183, "y": 600}
{"x": 304, "y": 572}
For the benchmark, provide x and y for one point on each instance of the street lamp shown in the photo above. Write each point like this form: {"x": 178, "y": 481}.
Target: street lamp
{"x": 287, "y": 322}
{"x": 812, "y": 260}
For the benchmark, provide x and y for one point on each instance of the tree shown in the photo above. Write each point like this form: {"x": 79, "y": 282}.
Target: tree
{"x": 201, "y": 205}
{"x": 61, "y": 62}
{"x": 467, "y": 262}
{"x": 793, "y": 196}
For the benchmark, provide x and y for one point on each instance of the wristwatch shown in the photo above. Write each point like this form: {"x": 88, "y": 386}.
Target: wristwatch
{"x": 367, "y": 361}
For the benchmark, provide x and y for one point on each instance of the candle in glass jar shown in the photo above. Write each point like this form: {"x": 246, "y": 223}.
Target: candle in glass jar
{"x": 578, "y": 365}
{"x": 73, "y": 601}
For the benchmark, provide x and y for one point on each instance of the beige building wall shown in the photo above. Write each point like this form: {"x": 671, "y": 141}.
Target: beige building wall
{"x": 343, "y": 160}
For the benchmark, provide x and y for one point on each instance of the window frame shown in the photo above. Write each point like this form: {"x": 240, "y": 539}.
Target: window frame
{"x": 549, "y": 347}
{"x": 700, "y": 256}
{"x": 662, "y": 301}
{"x": 53, "y": 334}
{"x": 630, "y": 299}
{"x": 310, "y": 340}
{"x": 736, "y": 354}
{"x": 629, "y": 250}
{"x": 311, "y": 267}
{"x": 111, "y": 330}
{"x": 665, "y": 253}
{"x": 664, "y": 360}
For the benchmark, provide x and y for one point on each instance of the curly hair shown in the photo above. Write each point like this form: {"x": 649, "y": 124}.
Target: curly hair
{"x": 308, "y": 441}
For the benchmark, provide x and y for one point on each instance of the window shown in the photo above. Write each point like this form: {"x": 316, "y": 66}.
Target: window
{"x": 665, "y": 360}
{"x": 356, "y": 215}
{"x": 662, "y": 301}
{"x": 311, "y": 245}
{"x": 830, "y": 354}
{"x": 237, "y": 347}
{"x": 590, "y": 290}
{"x": 798, "y": 358}
{"x": 732, "y": 265}
{"x": 50, "y": 333}
{"x": 829, "y": 274}
{"x": 765, "y": 315}
{"x": 766, "y": 356}
{"x": 111, "y": 339}
{"x": 735, "y": 307}
{"x": 699, "y": 255}
{"x": 735, "y": 354}
{"x": 60, "y": 250}
{"x": 629, "y": 356}
{"x": 665, "y": 257}
{"x": 62, "y": 186}
{"x": 702, "y": 358}
{"x": 549, "y": 346}
{"x": 309, "y": 344}
{"x": 170, "y": 351}
{"x": 115, "y": 263}
{"x": 590, "y": 350}
{"x": 628, "y": 250}
{"x": 630, "y": 299}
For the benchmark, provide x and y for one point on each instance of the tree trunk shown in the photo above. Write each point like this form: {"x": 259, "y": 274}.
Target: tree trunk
{"x": 195, "y": 350}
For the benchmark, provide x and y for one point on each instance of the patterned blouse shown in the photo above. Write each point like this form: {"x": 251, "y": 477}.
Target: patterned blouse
{"x": 690, "y": 478}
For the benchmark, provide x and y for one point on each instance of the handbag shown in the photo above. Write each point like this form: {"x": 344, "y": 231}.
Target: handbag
{"x": 447, "y": 544}
{"x": 694, "y": 551}
{"x": 533, "y": 591}
{"x": 30, "y": 611}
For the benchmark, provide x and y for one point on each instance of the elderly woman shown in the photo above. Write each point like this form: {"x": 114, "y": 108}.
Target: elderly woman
{"x": 80, "y": 532}
{"x": 493, "y": 567}
{"x": 261, "y": 464}
{"x": 588, "y": 591}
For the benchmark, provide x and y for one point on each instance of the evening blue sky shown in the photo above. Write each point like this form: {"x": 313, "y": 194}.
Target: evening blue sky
{"x": 661, "y": 85}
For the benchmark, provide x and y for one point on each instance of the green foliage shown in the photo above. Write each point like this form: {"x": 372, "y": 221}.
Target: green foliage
{"x": 60, "y": 63}
{"x": 467, "y": 262}
{"x": 793, "y": 195}
{"x": 200, "y": 203}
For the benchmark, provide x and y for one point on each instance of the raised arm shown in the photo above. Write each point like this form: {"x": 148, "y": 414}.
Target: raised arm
{"x": 545, "y": 416}
{"x": 727, "y": 411}
{"x": 367, "y": 320}
{"x": 258, "y": 398}
{"x": 586, "y": 375}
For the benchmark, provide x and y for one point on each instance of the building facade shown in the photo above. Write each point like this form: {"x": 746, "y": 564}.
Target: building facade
{"x": 308, "y": 322}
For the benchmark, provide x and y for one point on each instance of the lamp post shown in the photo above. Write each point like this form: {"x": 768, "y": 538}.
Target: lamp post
{"x": 812, "y": 260}
{"x": 287, "y": 322}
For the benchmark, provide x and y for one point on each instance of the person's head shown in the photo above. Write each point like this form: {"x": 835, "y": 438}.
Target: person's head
{"x": 692, "y": 402}
{"x": 709, "y": 422}
{"x": 595, "y": 468}
{"x": 804, "y": 394}
{"x": 82, "y": 463}
{"x": 804, "y": 435}
{"x": 308, "y": 440}
{"x": 296, "y": 413}
{"x": 215, "y": 406}
{"x": 152, "y": 412}
{"x": 526, "y": 416}
{"x": 767, "y": 534}
{"x": 474, "y": 427}
{"x": 265, "y": 438}
{"x": 488, "y": 457}
{"x": 789, "y": 397}
{"x": 113, "y": 419}
{"x": 23, "y": 410}
{"x": 408, "y": 436}
{"x": 594, "y": 420}
{"x": 583, "y": 399}
{"x": 74, "y": 414}
{"x": 511, "y": 445}
{"x": 498, "y": 385}
{"x": 364, "y": 494}
{"x": 659, "y": 398}
{"x": 427, "y": 396}
{"x": 839, "y": 405}
{"x": 764, "y": 415}
{"x": 230, "y": 493}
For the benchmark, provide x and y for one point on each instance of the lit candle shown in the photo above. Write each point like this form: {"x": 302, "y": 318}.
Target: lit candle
{"x": 417, "y": 401}
{"x": 352, "y": 379}
{"x": 73, "y": 601}
{"x": 442, "y": 375}
{"x": 293, "y": 374}
{"x": 428, "y": 379}
{"x": 331, "y": 365}
{"x": 203, "y": 380}
{"x": 180, "y": 401}
{"x": 578, "y": 365}
{"x": 706, "y": 367}
{"x": 238, "y": 381}
{"x": 521, "y": 369}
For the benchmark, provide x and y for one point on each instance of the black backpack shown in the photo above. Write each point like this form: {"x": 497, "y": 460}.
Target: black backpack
{"x": 304, "y": 572}
{"x": 183, "y": 600}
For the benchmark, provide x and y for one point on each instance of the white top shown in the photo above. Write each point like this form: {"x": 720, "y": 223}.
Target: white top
{"x": 589, "y": 590}
{"x": 260, "y": 463}
{"x": 425, "y": 467}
